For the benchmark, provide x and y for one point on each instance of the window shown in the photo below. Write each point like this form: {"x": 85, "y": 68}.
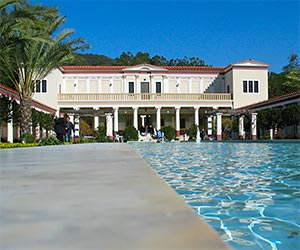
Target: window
{"x": 245, "y": 88}
{"x": 158, "y": 87}
{"x": 37, "y": 87}
{"x": 44, "y": 86}
{"x": 228, "y": 89}
{"x": 131, "y": 87}
{"x": 250, "y": 86}
{"x": 255, "y": 86}
{"x": 41, "y": 86}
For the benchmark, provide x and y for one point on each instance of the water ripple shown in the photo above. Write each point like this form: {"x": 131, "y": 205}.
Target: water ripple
{"x": 249, "y": 193}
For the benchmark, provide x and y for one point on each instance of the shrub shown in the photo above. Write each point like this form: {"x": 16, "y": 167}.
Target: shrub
{"x": 130, "y": 133}
{"x": 193, "y": 131}
{"x": 50, "y": 141}
{"x": 27, "y": 138}
{"x": 16, "y": 145}
{"x": 101, "y": 134}
{"x": 169, "y": 132}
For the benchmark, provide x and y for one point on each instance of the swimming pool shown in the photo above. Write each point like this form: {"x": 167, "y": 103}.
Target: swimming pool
{"x": 248, "y": 192}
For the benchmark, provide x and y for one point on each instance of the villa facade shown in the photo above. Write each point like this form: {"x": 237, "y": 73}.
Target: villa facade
{"x": 118, "y": 96}
{"x": 144, "y": 95}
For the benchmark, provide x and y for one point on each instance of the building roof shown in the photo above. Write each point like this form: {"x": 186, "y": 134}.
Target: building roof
{"x": 247, "y": 63}
{"x": 141, "y": 67}
{"x": 152, "y": 68}
{"x": 277, "y": 101}
{"x": 4, "y": 90}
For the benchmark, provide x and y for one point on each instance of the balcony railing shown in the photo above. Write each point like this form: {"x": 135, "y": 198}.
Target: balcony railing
{"x": 144, "y": 97}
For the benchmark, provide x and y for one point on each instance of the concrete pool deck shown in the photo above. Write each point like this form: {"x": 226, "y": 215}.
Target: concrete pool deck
{"x": 93, "y": 196}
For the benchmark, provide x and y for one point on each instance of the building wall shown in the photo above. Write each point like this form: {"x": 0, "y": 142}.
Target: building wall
{"x": 54, "y": 81}
{"x": 245, "y": 74}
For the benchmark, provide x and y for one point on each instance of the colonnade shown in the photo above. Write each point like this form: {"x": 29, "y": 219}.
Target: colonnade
{"x": 112, "y": 122}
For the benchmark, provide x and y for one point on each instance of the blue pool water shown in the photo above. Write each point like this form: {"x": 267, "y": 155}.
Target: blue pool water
{"x": 248, "y": 192}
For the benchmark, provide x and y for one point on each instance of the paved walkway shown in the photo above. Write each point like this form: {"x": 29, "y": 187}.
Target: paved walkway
{"x": 92, "y": 196}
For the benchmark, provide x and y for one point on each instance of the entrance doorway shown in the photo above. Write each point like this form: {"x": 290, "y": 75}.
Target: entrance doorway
{"x": 144, "y": 87}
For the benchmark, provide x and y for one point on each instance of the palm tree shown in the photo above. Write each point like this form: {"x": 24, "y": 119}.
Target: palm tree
{"x": 31, "y": 47}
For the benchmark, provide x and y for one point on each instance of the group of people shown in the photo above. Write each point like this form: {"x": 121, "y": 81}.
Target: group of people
{"x": 152, "y": 132}
{"x": 63, "y": 128}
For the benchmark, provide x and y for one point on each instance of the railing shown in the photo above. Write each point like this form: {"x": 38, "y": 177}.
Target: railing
{"x": 143, "y": 97}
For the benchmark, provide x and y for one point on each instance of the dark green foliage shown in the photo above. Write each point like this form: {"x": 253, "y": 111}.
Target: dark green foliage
{"x": 91, "y": 59}
{"x": 291, "y": 114}
{"x": 128, "y": 59}
{"x": 169, "y": 132}
{"x": 279, "y": 117}
{"x": 50, "y": 141}
{"x": 101, "y": 134}
{"x": 193, "y": 131}
{"x": 130, "y": 133}
{"x": 27, "y": 138}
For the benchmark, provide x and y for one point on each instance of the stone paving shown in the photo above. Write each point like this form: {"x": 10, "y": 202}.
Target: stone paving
{"x": 93, "y": 196}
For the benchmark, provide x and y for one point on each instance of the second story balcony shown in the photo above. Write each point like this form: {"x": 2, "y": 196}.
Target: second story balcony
{"x": 140, "y": 99}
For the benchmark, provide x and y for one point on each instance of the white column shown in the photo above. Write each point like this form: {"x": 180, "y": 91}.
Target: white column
{"x": 76, "y": 85}
{"x": 135, "y": 117}
{"x": 190, "y": 85}
{"x": 178, "y": 85}
{"x": 177, "y": 121}
{"x": 63, "y": 90}
{"x": 143, "y": 120}
{"x": 158, "y": 118}
{"x": 254, "y": 126}
{"x": 111, "y": 89}
{"x": 219, "y": 126}
{"x": 116, "y": 120}
{"x": 77, "y": 125}
{"x": 96, "y": 119}
{"x": 201, "y": 85}
{"x": 123, "y": 83}
{"x": 87, "y": 85}
{"x": 10, "y": 128}
{"x": 241, "y": 127}
{"x": 137, "y": 88}
{"x": 196, "y": 116}
{"x": 152, "y": 84}
{"x": 271, "y": 133}
{"x": 99, "y": 85}
{"x": 109, "y": 124}
{"x": 209, "y": 125}
{"x": 166, "y": 85}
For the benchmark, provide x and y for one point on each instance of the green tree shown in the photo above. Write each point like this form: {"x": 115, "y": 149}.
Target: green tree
{"x": 124, "y": 59}
{"x": 169, "y": 132}
{"x": 131, "y": 133}
{"x": 293, "y": 63}
{"x": 32, "y": 45}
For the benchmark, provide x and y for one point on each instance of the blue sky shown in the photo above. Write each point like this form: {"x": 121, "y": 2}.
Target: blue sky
{"x": 219, "y": 32}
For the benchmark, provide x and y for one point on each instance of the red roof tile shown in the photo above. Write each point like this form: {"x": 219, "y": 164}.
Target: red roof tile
{"x": 120, "y": 68}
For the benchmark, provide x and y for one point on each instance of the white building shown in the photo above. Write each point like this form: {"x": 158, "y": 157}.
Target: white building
{"x": 118, "y": 96}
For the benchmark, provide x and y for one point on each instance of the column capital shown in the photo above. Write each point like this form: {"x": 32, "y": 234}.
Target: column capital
{"x": 135, "y": 107}
{"x": 177, "y": 107}
{"x": 158, "y": 107}
{"x": 116, "y": 108}
{"x": 196, "y": 107}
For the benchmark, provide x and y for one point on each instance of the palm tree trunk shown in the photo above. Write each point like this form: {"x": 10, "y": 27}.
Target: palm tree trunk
{"x": 25, "y": 110}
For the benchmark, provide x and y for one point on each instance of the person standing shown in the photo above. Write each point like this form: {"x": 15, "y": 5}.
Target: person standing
{"x": 69, "y": 129}
{"x": 60, "y": 128}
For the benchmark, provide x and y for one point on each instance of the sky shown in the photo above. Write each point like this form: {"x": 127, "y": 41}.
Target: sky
{"x": 218, "y": 31}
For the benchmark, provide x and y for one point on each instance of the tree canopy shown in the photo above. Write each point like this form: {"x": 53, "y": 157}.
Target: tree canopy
{"x": 31, "y": 46}
{"x": 128, "y": 59}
